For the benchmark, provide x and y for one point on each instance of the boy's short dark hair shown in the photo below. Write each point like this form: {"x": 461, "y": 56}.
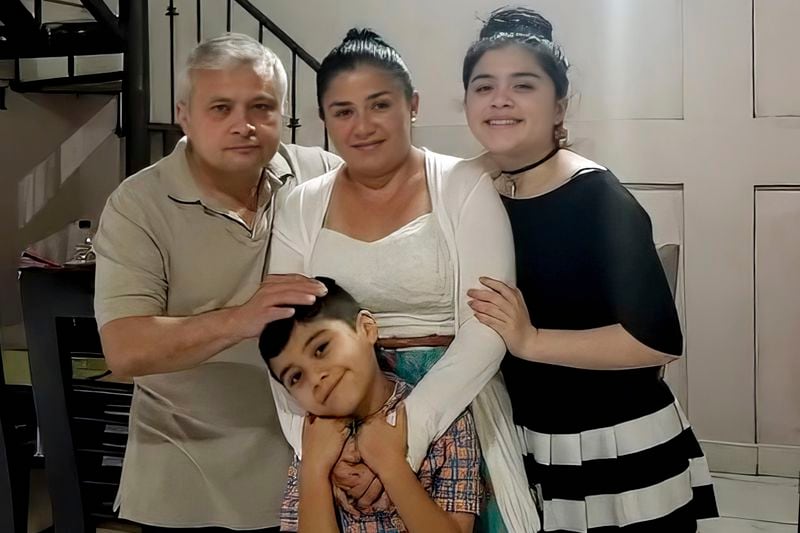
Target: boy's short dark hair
{"x": 337, "y": 304}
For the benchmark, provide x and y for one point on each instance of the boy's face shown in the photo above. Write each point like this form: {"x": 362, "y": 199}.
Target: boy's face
{"x": 329, "y": 367}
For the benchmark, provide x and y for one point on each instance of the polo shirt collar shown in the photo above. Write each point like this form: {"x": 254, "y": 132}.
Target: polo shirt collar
{"x": 182, "y": 188}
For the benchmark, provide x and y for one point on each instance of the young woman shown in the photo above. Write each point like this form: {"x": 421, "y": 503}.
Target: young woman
{"x": 407, "y": 231}
{"x": 592, "y": 319}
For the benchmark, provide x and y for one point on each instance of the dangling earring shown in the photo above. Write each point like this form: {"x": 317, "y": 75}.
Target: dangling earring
{"x": 561, "y": 136}
{"x": 413, "y": 118}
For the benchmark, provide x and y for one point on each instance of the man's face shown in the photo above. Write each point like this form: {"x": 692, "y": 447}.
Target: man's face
{"x": 233, "y": 119}
{"x": 329, "y": 367}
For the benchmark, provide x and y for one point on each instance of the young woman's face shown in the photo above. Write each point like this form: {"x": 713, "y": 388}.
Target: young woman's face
{"x": 369, "y": 119}
{"x": 511, "y": 106}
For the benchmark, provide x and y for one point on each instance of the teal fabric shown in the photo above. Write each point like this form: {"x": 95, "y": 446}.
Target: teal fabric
{"x": 411, "y": 365}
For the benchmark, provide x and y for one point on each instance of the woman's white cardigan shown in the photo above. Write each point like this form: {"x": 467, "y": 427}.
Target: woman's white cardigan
{"x": 478, "y": 235}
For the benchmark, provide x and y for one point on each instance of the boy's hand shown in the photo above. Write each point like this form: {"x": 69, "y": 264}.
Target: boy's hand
{"x": 381, "y": 445}
{"x": 323, "y": 440}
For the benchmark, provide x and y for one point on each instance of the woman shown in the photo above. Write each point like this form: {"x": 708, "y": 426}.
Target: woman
{"x": 407, "y": 231}
{"x": 608, "y": 446}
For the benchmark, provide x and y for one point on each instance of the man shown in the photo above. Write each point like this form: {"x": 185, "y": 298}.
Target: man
{"x": 181, "y": 251}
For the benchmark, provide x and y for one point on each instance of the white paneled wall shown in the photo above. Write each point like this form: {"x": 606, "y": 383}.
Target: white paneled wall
{"x": 664, "y": 204}
{"x": 777, "y": 63}
{"x": 777, "y": 278}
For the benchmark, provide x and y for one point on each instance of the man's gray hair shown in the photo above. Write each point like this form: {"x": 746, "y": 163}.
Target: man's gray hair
{"x": 230, "y": 51}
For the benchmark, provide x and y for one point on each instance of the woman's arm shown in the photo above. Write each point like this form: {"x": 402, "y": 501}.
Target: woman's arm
{"x": 285, "y": 256}
{"x": 484, "y": 244}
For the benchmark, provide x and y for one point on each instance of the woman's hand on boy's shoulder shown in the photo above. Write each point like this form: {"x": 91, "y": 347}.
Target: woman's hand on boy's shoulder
{"x": 323, "y": 440}
{"x": 383, "y": 446}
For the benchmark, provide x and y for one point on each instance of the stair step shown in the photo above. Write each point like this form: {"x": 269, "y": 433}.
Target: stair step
{"x": 102, "y": 83}
{"x": 76, "y": 38}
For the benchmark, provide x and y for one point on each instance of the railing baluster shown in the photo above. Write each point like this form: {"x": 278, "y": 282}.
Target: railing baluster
{"x": 260, "y": 33}
{"x": 37, "y": 12}
{"x": 230, "y": 7}
{"x": 171, "y": 13}
{"x": 294, "y": 122}
{"x": 199, "y": 23}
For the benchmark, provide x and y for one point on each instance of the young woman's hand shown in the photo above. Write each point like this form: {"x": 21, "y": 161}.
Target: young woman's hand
{"x": 323, "y": 440}
{"x": 503, "y": 309}
{"x": 383, "y": 446}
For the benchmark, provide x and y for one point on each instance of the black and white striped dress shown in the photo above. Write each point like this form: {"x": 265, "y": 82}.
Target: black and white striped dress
{"x": 606, "y": 450}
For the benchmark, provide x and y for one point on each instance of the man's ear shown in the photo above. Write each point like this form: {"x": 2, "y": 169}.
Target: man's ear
{"x": 182, "y": 116}
{"x": 367, "y": 325}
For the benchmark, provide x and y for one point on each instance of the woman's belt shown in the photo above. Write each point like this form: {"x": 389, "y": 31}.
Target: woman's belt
{"x": 393, "y": 343}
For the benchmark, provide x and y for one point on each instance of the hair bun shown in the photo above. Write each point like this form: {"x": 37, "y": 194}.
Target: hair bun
{"x": 362, "y": 34}
{"x": 517, "y": 20}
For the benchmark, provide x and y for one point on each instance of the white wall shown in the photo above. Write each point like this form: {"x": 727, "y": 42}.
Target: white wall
{"x": 80, "y": 173}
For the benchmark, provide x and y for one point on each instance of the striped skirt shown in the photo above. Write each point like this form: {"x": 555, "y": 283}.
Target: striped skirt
{"x": 643, "y": 475}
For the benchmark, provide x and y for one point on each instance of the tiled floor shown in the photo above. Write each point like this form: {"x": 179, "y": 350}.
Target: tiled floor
{"x": 754, "y": 504}
{"x": 748, "y": 504}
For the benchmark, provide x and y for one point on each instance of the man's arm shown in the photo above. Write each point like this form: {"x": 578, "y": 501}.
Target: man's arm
{"x": 142, "y": 345}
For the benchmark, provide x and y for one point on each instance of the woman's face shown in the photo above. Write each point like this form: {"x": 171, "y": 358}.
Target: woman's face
{"x": 369, "y": 119}
{"x": 512, "y": 107}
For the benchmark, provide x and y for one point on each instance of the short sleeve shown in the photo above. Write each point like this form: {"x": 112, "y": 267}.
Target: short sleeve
{"x": 290, "y": 507}
{"x": 457, "y": 486}
{"x": 631, "y": 277}
{"x": 130, "y": 277}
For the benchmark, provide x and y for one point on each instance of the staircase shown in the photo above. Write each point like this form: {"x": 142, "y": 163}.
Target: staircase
{"x": 25, "y": 37}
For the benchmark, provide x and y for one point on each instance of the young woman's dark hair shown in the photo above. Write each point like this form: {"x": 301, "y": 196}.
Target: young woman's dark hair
{"x": 527, "y": 28}
{"x": 362, "y": 47}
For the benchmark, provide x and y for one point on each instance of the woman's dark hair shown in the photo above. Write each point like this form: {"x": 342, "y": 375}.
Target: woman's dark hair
{"x": 527, "y": 28}
{"x": 362, "y": 47}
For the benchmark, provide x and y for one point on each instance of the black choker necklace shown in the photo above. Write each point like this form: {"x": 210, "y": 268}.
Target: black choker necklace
{"x": 532, "y": 165}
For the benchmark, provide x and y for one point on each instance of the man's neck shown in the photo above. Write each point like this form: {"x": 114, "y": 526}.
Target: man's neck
{"x": 234, "y": 189}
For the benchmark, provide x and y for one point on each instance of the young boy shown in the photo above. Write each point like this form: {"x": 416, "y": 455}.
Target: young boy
{"x": 325, "y": 357}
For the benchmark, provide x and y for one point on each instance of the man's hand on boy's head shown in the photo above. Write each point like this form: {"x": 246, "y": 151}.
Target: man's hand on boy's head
{"x": 274, "y": 300}
{"x": 383, "y": 446}
{"x": 323, "y": 440}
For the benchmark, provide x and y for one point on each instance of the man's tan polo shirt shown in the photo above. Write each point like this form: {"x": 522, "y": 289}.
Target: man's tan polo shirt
{"x": 204, "y": 447}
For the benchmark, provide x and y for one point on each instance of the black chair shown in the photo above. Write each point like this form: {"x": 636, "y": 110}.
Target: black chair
{"x": 7, "y": 515}
{"x": 82, "y": 465}
{"x": 17, "y": 448}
